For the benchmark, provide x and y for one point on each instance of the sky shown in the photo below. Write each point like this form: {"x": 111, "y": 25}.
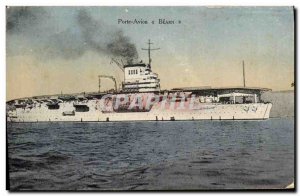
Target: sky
{"x": 50, "y": 50}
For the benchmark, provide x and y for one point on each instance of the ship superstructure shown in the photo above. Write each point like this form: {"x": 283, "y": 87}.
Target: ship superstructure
{"x": 141, "y": 98}
{"x": 139, "y": 77}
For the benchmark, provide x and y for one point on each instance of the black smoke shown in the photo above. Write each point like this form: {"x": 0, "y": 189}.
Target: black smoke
{"x": 18, "y": 18}
{"x": 117, "y": 44}
{"x": 83, "y": 33}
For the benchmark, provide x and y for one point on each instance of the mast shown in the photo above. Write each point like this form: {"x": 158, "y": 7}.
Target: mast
{"x": 99, "y": 83}
{"x": 244, "y": 73}
{"x": 149, "y": 49}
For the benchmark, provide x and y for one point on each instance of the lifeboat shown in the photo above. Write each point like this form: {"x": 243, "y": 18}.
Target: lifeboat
{"x": 81, "y": 107}
{"x": 53, "y": 106}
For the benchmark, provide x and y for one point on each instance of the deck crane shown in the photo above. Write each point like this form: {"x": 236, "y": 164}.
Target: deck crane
{"x": 110, "y": 77}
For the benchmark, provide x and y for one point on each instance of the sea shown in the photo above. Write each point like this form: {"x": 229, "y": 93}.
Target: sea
{"x": 168, "y": 155}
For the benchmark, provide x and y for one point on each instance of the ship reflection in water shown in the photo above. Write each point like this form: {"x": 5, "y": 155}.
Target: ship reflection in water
{"x": 151, "y": 155}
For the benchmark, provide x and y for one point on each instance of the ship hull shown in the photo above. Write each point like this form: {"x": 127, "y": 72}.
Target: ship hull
{"x": 254, "y": 111}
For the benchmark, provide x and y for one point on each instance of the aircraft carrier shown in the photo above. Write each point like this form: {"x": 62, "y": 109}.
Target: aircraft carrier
{"x": 140, "y": 98}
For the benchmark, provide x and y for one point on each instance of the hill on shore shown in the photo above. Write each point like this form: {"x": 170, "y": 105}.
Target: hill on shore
{"x": 283, "y": 103}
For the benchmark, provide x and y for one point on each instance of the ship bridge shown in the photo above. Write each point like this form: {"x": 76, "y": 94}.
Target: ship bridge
{"x": 139, "y": 77}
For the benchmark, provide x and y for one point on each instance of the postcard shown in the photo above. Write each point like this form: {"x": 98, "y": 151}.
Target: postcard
{"x": 108, "y": 98}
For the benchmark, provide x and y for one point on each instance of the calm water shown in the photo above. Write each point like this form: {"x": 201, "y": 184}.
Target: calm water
{"x": 151, "y": 155}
